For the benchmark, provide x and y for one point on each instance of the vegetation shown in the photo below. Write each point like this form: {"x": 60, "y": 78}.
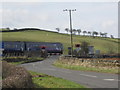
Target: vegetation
{"x": 67, "y": 30}
{"x": 84, "y": 48}
{"x": 82, "y": 68}
{"x": 12, "y": 74}
{"x": 103, "y": 44}
{"x": 58, "y": 29}
{"x": 86, "y": 33}
{"x": 21, "y": 60}
{"x": 15, "y": 77}
{"x": 45, "y": 81}
{"x": 4, "y": 29}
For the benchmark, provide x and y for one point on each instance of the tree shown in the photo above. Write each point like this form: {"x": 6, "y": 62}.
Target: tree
{"x": 7, "y": 28}
{"x": 93, "y": 33}
{"x": 74, "y": 31}
{"x": 96, "y": 33}
{"x": 105, "y": 34}
{"x": 67, "y": 29}
{"x": 89, "y": 33}
{"x": 84, "y": 48}
{"x": 101, "y": 34}
{"x": 79, "y": 31}
{"x": 15, "y": 29}
{"x": 111, "y": 36}
{"x": 58, "y": 29}
{"x": 84, "y": 32}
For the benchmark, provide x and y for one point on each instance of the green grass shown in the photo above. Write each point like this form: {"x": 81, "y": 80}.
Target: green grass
{"x": 45, "y": 81}
{"x": 4, "y": 29}
{"x": 112, "y": 39}
{"x": 23, "y": 60}
{"x": 104, "y": 44}
{"x": 82, "y": 68}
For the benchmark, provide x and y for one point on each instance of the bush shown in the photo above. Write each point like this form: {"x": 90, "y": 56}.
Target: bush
{"x": 15, "y": 77}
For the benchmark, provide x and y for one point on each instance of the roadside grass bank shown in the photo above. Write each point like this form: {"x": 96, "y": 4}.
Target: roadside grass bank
{"x": 76, "y": 65}
{"x": 45, "y": 81}
{"x": 22, "y": 60}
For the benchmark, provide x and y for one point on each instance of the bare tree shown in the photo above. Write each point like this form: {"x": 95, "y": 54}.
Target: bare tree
{"x": 7, "y": 28}
{"x": 15, "y": 29}
{"x": 58, "y": 29}
{"x": 93, "y": 33}
{"x": 79, "y": 31}
{"x": 96, "y": 33}
{"x": 67, "y": 30}
{"x": 84, "y": 48}
{"x": 111, "y": 36}
{"x": 101, "y": 34}
{"x": 105, "y": 34}
{"x": 84, "y": 32}
{"x": 89, "y": 33}
{"x": 74, "y": 31}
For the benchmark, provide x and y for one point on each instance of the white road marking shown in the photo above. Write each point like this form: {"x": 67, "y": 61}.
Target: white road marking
{"x": 64, "y": 71}
{"x": 48, "y": 69}
{"x": 111, "y": 79}
{"x": 33, "y": 65}
{"x": 88, "y": 75}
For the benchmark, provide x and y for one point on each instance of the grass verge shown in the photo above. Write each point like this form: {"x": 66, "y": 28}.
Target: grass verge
{"x": 22, "y": 60}
{"x": 82, "y": 68}
{"x": 45, "y": 81}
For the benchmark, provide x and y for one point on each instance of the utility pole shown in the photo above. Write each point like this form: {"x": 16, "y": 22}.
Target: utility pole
{"x": 70, "y": 11}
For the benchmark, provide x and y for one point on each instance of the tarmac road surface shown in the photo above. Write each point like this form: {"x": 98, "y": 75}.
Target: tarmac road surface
{"x": 86, "y": 78}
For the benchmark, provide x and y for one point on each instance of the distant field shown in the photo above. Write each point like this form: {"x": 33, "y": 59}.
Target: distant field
{"x": 3, "y": 29}
{"x": 106, "y": 45}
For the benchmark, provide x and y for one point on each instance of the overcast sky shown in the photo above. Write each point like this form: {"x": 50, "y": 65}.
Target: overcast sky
{"x": 90, "y": 16}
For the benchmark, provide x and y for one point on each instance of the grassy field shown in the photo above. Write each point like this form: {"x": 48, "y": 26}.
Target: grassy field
{"x": 45, "y": 81}
{"x": 82, "y": 68}
{"x": 106, "y": 45}
{"x": 3, "y": 29}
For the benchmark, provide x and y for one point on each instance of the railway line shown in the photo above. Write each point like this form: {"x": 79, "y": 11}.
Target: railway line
{"x": 37, "y": 49}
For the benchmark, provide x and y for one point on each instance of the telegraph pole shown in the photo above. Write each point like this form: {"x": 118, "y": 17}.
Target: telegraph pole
{"x": 70, "y": 10}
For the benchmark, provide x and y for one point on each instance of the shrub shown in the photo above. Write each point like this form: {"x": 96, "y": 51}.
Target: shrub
{"x": 15, "y": 77}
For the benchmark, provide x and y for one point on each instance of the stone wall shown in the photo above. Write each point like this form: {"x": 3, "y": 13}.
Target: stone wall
{"x": 92, "y": 62}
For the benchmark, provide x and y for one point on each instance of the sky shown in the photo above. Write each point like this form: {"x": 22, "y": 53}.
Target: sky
{"x": 89, "y": 16}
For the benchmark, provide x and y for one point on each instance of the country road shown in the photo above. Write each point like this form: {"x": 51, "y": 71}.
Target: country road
{"x": 88, "y": 79}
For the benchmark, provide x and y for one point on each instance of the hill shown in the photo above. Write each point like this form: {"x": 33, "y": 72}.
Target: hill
{"x": 105, "y": 45}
